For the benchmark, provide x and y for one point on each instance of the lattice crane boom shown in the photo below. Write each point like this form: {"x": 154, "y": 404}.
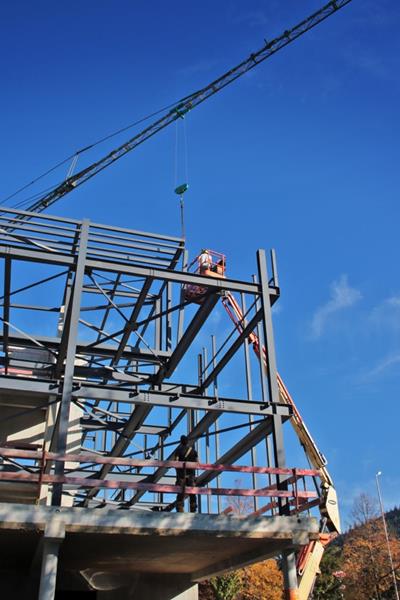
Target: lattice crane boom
{"x": 188, "y": 103}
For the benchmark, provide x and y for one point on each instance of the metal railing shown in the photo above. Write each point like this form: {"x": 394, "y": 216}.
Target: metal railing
{"x": 35, "y": 466}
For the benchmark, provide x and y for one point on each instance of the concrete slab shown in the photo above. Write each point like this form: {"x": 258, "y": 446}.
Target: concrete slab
{"x": 108, "y": 545}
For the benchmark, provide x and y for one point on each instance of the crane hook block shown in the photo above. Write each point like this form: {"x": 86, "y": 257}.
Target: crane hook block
{"x": 181, "y": 189}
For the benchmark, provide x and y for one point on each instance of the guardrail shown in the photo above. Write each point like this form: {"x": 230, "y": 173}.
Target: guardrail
{"x": 34, "y": 469}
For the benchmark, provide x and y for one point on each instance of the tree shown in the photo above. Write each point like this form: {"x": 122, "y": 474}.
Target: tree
{"x": 356, "y": 566}
{"x": 329, "y": 584}
{"x": 393, "y": 520}
{"x": 365, "y": 508}
{"x": 239, "y": 505}
{"x": 227, "y": 587}
{"x": 263, "y": 580}
{"x": 260, "y": 581}
{"x": 366, "y": 563}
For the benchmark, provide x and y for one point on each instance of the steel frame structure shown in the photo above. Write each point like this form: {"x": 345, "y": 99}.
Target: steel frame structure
{"x": 118, "y": 365}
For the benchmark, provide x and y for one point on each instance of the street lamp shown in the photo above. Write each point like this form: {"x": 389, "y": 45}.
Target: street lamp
{"x": 386, "y": 534}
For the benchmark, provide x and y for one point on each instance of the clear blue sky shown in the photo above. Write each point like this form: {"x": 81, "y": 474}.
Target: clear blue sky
{"x": 302, "y": 155}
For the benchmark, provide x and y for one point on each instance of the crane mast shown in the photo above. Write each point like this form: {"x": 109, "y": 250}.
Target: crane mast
{"x": 186, "y": 104}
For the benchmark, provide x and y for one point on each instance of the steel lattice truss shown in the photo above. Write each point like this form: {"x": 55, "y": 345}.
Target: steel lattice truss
{"x": 95, "y": 320}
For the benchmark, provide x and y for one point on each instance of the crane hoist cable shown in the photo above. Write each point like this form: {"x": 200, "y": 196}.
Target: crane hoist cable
{"x": 180, "y": 189}
{"x": 75, "y": 155}
{"x": 188, "y": 103}
{"x": 181, "y": 153}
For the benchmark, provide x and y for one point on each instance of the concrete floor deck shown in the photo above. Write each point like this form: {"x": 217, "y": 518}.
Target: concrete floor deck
{"x": 106, "y": 547}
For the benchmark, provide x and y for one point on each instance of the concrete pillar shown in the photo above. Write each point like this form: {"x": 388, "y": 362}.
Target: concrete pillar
{"x": 290, "y": 575}
{"x": 53, "y": 537}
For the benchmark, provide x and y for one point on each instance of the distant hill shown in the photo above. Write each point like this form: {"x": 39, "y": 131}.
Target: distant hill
{"x": 366, "y": 565}
{"x": 393, "y": 520}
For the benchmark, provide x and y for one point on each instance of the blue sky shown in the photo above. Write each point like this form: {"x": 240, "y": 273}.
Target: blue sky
{"x": 301, "y": 155}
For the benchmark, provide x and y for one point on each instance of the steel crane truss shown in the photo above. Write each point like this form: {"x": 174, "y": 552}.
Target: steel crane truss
{"x": 95, "y": 316}
{"x": 183, "y": 106}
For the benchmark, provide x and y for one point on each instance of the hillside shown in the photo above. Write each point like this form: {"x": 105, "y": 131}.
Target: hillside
{"x": 356, "y": 565}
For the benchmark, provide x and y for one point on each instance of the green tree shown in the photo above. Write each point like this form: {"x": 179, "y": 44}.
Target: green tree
{"x": 329, "y": 584}
{"x": 226, "y": 587}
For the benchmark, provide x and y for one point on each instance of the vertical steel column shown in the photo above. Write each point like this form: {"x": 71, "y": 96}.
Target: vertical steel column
{"x": 275, "y": 280}
{"x": 263, "y": 376}
{"x": 161, "y": 457}
{"x": 168, "y": 316}
{"x": 6, "y": 309}
{"x": 62, "y": 431}
{"x": 169, "y": 327}
{"x": 249, "y": 387}
{"x": 215, "y": 393}
{"x": 195, "y": 418}
{"x": 277, "y": 434}
{"x": 207, "y": 440}
{"x": 289, "y": 559}
{"x": 267, "y": 327}
{"x": 182, "y": 299}
{"x": 158, "y": 335}
{"x": 262, "y": 368}
{"x": 158, "y": 327}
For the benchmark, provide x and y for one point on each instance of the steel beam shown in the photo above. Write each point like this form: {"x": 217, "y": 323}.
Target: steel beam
{"x": 244, "y": 445}
{"x": 130, "y": 325}
{"x": 164, "y": 398}
{"x": 231, "y": 351}
{"x": 105, "y": 350}
{"x": 135, "y": 421}
{"x": 187, "y": 401}
{"x": 134, "y": 270}
{"x": 272, "y": 375}
{"x": 188, "y": 337}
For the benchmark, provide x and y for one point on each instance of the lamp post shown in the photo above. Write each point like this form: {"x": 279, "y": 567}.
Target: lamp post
{"x": 386, "y": 534}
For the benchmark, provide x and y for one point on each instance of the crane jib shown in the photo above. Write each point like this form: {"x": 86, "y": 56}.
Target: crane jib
{"x": 183, "y": 106}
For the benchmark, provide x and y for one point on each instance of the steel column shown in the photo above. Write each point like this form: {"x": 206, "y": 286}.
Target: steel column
{"x": 272, "y": 376}
{"x": 6, "y": 308}
{"x": 63, "y": 415}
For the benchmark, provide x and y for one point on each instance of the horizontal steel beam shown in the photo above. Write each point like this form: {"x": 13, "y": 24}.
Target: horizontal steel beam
{"x": 53, "y": 343}
{"x": 92, "y": 424}
{"x": 145, "y": 398}
{"x": 219, "y": 284}
{"x": 156, "y": 398}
